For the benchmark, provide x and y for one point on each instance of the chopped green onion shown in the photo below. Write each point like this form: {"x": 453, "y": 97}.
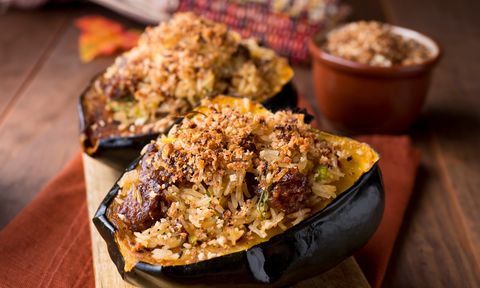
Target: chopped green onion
{"x": 322, "y": 172}
{"x": 215, "y": 219}
{"x": 263, "y": 198}
{"x": 126, "y": 99}
{"x": 138, "y": 113}
{"x": 206, "y": 90}
{"x": 258, "y": 206}
{"x": 208, "y": 194}
{"x": 114, "y": 107}
{"x": 192, "y": 239}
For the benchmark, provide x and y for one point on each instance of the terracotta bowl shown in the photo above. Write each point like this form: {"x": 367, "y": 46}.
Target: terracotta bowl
{"x": 356, "y": 98}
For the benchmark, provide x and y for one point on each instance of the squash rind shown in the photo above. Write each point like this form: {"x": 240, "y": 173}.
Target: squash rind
{"x": 310, "y": 248}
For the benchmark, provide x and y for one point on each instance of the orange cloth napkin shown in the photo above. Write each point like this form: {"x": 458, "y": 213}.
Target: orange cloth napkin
{"x": 48, "y": 243}
{"x": 399, "y": 163}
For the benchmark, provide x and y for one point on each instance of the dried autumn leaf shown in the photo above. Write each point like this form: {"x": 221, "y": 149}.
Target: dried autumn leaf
{"x": 102, "y": 36}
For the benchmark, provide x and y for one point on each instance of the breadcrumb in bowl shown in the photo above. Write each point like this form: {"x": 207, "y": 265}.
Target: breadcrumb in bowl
{"x": 358, "y": 98}
{"x": 234, "y": 186}
{"x": 377, "y": 44}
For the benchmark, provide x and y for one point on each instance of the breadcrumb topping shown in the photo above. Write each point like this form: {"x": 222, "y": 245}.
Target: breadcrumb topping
{"x": 181, "y": 61}
{"x": 223, "y": 140}
{"x": 229, "y": 176}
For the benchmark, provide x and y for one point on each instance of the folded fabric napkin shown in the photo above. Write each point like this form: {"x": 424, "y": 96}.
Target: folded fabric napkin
{"x": 48, "y": 243}
{"x": 399, "y": 163}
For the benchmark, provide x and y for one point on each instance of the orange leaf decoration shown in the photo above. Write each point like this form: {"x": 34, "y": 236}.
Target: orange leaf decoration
{"x": 102, "y": 36}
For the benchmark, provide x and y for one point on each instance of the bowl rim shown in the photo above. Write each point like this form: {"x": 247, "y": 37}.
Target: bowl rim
{"x": 335, "y": 62}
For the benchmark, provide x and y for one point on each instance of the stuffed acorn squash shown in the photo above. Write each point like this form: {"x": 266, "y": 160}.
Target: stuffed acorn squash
{"x": 238, "y": 195}
{"x": 174, "y": 66}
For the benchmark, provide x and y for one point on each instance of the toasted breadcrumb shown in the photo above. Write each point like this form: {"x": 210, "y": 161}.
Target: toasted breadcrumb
{"x": 375, "y": 44}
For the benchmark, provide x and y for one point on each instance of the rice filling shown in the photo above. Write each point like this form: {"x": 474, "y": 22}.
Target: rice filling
{"x": 222, "y": 179}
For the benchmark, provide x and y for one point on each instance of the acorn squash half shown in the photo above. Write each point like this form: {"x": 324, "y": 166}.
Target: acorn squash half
{"x": 173, "y": 66}
{"x": 330, "y": 235}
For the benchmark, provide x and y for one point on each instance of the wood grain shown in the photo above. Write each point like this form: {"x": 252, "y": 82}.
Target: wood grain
{"x": 345, "y": 274}
{"x": 40, "y": 133}
{"x": 21, "y": 31}
{"x": 99, "y": 179}
{"x": 452, "y": 116}
{"x": 429, "y": 250}
{"x": 366, "y": 10}
{"x": 303, "y": 83}
{"x": 436, "y": 243}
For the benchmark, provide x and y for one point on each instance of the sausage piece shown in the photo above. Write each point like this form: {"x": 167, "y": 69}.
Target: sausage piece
{"x": 139, "y": 217}
{"x": 290, "y": 194}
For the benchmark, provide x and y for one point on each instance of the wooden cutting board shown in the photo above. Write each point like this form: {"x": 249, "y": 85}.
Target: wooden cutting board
{"x": 100, "y": 178}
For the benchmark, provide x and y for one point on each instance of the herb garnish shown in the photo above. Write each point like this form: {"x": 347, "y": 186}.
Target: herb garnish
{"x": 192, "y": 239}
{"x": 126, "y": 99}
{"x": 263, "y": 198}
{"x": 322, "y": 172}
{"x": 206, "y": 90}
{"x": 215, "y": 219}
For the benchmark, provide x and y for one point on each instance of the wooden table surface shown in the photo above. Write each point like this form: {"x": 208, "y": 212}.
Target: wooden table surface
{"x": 41, "y": 77}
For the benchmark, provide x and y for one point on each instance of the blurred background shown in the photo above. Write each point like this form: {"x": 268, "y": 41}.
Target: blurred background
{"x": 41, "y": 77}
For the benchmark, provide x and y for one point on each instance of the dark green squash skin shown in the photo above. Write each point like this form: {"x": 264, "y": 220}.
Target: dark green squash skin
{"x": 118, "y": 152}
{"x": 310, "y": 248}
